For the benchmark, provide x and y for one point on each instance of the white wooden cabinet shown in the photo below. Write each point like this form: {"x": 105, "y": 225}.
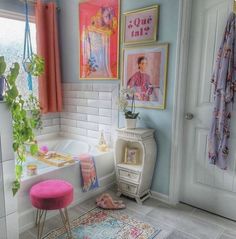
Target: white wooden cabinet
{"x": 134, "y": 180}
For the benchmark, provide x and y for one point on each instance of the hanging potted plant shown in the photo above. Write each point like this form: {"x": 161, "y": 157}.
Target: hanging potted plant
{"x": 2, "y": 77}
{"x": 129, "y": 113}
{"x": 33, "y": 64}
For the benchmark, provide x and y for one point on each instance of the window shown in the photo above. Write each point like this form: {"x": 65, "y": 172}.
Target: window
{"x": 12, "y": 47}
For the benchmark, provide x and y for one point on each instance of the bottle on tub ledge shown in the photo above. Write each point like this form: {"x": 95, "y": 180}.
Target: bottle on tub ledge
{"x": 102, "y": 144}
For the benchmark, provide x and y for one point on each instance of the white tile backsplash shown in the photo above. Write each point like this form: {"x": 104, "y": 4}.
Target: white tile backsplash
{"x": 93, "y": 118}
{"x": 6, "y": 146}
{"x": 12, "y": 226}
{"x": 8, "y": 204}
{"x": 70, "y": 108}
{"x": 87, "y": 125}
{"x": 105, "y": 112}
{"x": 51, "y": 124}
{"x": 75, "y": 116}
{"x": 8, "y": 178}
{"x": 69, "y": 122}
{"x": 2, "y": 202}
{"x": 105, "y": 95}
{"x": 87, "y": 110}
{"x": 3, "y": 231}
{"x": 87, "y": 95}
{"x": 93, "y": 106}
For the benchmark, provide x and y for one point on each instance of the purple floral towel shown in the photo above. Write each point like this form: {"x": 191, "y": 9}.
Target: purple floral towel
{"x": 224, "y": 80}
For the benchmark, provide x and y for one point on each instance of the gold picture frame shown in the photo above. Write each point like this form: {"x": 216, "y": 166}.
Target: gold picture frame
{"x": 131, "y": 156}
{"x": 150, "y": 91}
{"x": 88, "y": 64}
{"x": 140, "y": 25}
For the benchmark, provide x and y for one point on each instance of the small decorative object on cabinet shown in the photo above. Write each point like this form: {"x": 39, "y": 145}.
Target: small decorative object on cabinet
{"x": 134, "y": 176}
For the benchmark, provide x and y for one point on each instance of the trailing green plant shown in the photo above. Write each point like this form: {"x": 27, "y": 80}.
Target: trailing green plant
{"x": 123, "y": 104}
{"x": 33, "y": 106}
{"x": 23, "y": 124}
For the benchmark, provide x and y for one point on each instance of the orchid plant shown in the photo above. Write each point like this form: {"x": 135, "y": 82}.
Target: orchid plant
{"x": 123, "y": 103}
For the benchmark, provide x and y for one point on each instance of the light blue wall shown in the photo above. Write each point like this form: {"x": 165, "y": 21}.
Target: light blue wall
{"x": 161, "y": 120}
{"x": 158, "y": 119}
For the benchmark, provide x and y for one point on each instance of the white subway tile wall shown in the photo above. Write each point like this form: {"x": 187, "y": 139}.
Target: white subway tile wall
{"x": 51, "y": 124}
{"x": 90, "y": 108}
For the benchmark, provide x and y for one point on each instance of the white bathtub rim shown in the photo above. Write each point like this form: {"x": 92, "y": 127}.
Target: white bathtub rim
{"x": 91, "y": 141}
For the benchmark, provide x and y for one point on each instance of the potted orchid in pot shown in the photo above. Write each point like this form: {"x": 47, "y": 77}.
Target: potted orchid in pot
{"x": 127, "y": 95}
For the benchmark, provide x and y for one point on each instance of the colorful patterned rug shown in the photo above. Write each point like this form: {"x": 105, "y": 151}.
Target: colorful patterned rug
{"x": 106, "y": 224}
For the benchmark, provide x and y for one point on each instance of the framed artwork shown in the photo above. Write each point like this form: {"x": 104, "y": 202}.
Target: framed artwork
{"x": 99, "y": 22}
{"x": 131, "y": 155}
{"x": 145, "y": 72}
{"x": 141, "y": 25}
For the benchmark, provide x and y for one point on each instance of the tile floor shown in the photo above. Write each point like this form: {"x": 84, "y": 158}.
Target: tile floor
{"x": 179, "y": 222}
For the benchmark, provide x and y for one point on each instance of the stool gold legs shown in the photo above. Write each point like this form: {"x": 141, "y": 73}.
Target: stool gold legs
{"x": 40, "y": 221}
{"x": 41, "y": 217}
{"x": 66, "y": 222}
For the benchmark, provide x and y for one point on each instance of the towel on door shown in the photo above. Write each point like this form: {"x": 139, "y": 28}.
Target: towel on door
{"x": 224, "y": 81}
{"x": 88, "y": 172}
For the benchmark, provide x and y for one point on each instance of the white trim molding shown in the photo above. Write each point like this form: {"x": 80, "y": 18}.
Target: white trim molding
{"x": 179, "y": 99}
{"x": 160, "y": 197}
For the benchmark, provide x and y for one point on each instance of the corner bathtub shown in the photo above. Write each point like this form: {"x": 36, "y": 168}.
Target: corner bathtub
{"x": 104, "y": 165}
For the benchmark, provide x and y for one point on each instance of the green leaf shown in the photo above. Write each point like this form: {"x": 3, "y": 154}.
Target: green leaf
{"x": 15, "y": 187}
{"x": 34, "y": 149}
{"x": 19, "y": 170}
{"x": 13, "y": 92}
{"x": 3, "y": 65}
{"x": 15, "y": 146}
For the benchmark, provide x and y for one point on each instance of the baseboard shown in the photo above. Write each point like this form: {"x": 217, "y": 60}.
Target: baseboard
{"x": 160, "y": 197}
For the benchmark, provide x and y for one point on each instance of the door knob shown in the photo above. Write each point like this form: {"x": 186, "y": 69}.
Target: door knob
{"x": 189, "y": 116}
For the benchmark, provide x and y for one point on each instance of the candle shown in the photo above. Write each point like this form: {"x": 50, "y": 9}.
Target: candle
{"x": 31, "y": 169}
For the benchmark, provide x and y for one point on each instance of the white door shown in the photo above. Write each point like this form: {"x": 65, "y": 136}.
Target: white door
{"x": 204, "y": 185}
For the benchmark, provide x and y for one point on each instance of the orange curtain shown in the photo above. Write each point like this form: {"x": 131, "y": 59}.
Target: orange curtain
{"x": 50, "y": 95}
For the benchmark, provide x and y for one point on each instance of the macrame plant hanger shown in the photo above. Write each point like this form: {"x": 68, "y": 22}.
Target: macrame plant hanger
{"x": 28, "y": 52}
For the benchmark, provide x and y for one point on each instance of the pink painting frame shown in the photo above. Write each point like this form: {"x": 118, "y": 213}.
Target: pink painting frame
{"x": 141, "y": 25}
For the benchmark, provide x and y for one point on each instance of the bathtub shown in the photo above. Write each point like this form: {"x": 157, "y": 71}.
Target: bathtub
{"x": 104, "y": 165}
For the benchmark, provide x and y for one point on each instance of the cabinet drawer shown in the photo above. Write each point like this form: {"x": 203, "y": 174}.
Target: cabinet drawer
{"x": 128, "y": 187}
{"x": 129, "y": 175}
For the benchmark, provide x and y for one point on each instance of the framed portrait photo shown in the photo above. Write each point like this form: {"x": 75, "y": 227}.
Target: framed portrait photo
{"x": 99, "y": 25}
{"x": 141, "y": 25}
{"x": 131, "y": 155}
{"x": 145, "y": 72}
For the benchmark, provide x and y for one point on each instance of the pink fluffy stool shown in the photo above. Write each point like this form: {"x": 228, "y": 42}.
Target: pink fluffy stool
{"x": 51, "y": 195}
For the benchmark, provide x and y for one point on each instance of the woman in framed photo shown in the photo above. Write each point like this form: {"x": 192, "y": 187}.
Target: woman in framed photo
{"x": 145, "y": 73}
{"x": 140, "y": 81}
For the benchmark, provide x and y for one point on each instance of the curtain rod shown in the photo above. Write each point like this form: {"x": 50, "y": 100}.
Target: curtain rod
{"x": 34, "y": 2}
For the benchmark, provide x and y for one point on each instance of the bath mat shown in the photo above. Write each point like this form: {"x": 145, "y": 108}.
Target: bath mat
{"x": 103, "y": 224}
